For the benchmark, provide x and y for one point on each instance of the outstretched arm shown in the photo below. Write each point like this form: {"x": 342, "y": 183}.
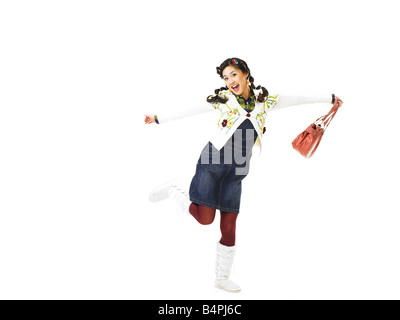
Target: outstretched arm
{"x": 166, "y": 116}
{"x": 289, "y": 100}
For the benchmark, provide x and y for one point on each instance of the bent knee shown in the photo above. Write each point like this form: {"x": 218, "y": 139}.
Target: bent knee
{"x": 206, "y": 220}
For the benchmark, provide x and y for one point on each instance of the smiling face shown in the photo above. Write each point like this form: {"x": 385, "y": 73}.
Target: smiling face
{"x": 236, "y": 81}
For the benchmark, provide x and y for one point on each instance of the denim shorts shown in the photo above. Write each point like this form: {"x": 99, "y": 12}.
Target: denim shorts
{"x": 217, "y": 182}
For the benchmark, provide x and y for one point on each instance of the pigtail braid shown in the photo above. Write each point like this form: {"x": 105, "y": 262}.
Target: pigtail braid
{"x": 217, "y": 97}
{"x": 262, "y": 97}
{"x": 251, "y": 80}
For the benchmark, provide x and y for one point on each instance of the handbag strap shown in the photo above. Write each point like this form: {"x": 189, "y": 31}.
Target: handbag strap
{"x": 326, "y": 119}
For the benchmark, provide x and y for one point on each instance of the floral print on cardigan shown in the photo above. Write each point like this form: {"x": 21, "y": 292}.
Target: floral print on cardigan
{"x": 228, "y": 116}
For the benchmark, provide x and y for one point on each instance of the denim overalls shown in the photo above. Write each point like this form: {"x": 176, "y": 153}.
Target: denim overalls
{"x": 217, "y": 182}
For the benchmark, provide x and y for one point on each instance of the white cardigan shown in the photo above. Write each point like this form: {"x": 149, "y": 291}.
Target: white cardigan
{"x": 232, "y": 114}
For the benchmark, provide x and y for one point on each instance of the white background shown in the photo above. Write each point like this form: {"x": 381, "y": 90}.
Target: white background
{"x": 77, "y": 162}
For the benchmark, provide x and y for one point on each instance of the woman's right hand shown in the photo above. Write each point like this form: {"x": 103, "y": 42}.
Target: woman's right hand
{"x": 149, "y": 118}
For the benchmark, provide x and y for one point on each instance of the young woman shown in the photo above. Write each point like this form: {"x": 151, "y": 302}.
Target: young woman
{"x": 224, "y": 161}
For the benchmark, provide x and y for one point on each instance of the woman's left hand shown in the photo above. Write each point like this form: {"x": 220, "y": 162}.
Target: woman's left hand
{"x": 339, "y": 101}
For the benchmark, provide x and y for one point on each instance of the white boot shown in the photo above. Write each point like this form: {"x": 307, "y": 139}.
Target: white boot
{"x": 223, "y": 267}
{"x": 161, "y": 192}
{"x": 181, "y": 197}
{"x": 174, "y": 190}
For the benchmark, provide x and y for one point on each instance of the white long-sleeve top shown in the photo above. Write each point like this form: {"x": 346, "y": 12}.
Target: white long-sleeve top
{"x": 232, "y": 114}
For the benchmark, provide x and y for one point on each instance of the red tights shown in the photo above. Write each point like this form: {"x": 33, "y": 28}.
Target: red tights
{"x": 205, "y": 215}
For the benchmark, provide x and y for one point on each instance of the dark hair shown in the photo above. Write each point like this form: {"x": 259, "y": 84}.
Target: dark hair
{"x": 241, "y": 65}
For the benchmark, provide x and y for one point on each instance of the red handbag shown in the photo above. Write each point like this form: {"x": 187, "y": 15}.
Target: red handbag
{"x": 307, "y": 142}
